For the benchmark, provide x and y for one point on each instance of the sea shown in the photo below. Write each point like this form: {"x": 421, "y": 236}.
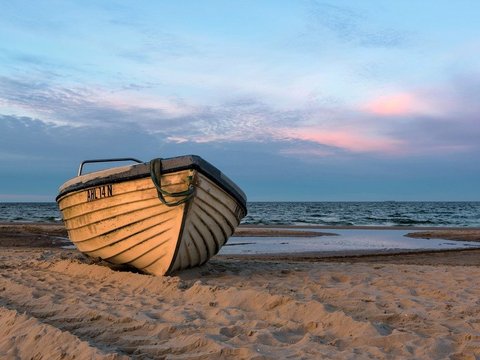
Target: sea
{"x": 383, "y": 214}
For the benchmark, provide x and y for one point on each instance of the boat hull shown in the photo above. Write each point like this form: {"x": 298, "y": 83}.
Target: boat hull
{"x": 126, "y": 222}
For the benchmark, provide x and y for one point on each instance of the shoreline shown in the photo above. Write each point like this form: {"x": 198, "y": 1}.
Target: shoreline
{"x": 360, "y": 227}
{"x": 54, "y": 236}
{"x": 53, "y": 232}
{"x": 450, "y": 257}
{"x": 282, "y": 226}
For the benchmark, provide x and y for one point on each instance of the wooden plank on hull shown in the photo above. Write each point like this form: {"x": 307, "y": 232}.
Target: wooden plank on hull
{"x": 170, "y": 182}
{"x": 146, "y": 237}
{"x": 82, "y": 209}
{"x": 116, "y": 224}
{"x": 127, "y": 225}
{"x": 112, "y": 212}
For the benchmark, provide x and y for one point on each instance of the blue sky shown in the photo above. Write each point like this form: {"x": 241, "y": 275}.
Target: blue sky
{"x": 294, "y": 100}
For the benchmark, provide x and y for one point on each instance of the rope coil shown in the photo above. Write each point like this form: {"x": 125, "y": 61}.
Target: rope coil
{"x": 156, "y": 175}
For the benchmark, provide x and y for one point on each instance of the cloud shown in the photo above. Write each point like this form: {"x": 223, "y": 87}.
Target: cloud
{"x": 173, "y": 118}
{"x": 443, "y": 120}
{"x": 241, "y": 137}
{"x": 347, "y": 140}
{"x": 393, "y": 105}
{"x": 82, "y": 106}
{"x": 36, "y": 157}
{"x": 152, "y": 46}
{"x": 39, "y": 144}
{"x": 438, "y": 136}
{"x": 420, "y": 121}
{"x": 353, "y": 27}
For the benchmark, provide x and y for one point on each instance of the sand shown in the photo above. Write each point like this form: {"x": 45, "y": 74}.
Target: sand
{"x": 57, "y": 304}
{"x": 449, "y": 234}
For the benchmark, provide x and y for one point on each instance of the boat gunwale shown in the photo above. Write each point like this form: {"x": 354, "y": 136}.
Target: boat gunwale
{"x": 169, "y": 165}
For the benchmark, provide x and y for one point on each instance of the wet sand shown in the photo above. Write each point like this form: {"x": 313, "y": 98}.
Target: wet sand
{"x": 56, "y": 303}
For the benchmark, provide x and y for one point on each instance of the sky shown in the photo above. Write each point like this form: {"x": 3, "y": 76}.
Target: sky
{"x": 293, "y": 100}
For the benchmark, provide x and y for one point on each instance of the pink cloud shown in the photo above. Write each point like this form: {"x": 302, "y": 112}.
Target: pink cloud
{"x": 351, "y": 140}
{"x": 303, "y": 150}
{"x": 393, "y": 105}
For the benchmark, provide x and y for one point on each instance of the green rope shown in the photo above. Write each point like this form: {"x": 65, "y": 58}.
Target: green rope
{"x": 156, "y": 175}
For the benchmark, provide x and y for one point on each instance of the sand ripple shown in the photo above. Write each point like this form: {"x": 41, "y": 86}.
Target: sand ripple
{"x": 56, "y": 302}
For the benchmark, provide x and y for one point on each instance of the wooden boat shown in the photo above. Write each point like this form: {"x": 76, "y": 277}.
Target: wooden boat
{"x": 161, "y": 216}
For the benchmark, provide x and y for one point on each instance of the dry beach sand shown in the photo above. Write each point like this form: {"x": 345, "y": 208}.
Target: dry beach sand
{"x": 57, "y": 304}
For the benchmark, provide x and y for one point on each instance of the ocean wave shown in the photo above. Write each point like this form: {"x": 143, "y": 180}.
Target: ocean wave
{"x": 455, "y": 214}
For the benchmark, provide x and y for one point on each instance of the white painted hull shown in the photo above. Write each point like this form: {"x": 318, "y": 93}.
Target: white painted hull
{"x": 127, "y": 223}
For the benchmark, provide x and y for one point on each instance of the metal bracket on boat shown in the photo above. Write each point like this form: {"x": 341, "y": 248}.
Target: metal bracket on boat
{"x": 105, "y": 160}
{"x": 156, "y": 175}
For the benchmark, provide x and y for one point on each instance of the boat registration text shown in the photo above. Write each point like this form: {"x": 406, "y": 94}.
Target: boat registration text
{"x": 99, "y": 192}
